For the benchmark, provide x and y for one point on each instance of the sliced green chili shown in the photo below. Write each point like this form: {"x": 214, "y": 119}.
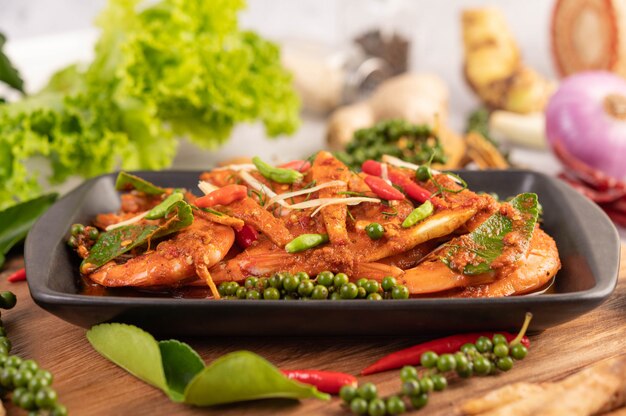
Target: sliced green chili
{"x": 275, "y": 174}
{"x": 418, "y": 214}
{"x": 305, "y": 242}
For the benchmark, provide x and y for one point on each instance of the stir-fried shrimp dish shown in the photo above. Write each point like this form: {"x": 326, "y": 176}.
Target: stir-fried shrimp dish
{"x": 316, "y": 229}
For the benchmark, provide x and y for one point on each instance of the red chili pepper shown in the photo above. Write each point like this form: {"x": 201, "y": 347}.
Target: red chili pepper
{"x": 584, "y": 172}
{"x": 382, "y": 189}
{"x": 416, "y": 192}
{"x": 299, "y": 165}
{"x": 449, "y": 345}
{"x": 223, "y": 196}
{"x": 325, "y": 381}
{"x": 18, "y": 276}
{"x": 246, "y": 236}
{"x": 601, "y": 197}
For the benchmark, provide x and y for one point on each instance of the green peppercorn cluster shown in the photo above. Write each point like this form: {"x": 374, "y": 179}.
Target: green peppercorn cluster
{"x": 484, "y": 357}
{"x": 30, "y": 384}
{"x": 411, "y": 142}
{"x": 82, "y": 236}
{"x": 325, "y": 285}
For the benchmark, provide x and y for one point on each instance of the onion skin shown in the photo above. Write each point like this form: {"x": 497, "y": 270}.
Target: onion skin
{"x": 578, "y": 117}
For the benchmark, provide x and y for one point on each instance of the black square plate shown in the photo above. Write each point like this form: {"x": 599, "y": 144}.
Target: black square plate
{"x": 588, "y": 244}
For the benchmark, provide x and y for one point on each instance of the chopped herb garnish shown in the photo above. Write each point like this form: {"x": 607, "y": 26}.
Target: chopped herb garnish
{"x": 351, "y": 193}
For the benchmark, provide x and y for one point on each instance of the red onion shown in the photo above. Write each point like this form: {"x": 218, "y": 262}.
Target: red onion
{"x": 587, "y": 116}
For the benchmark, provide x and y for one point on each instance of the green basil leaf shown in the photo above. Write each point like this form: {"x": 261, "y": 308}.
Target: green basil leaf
{"x": 131, "y": 348}
{"x": 118, "y": 241}
{"x": 486, "y": 243}
{"x": 180, "y": 364}
{"x": 18, "y": 219}
{"x": 242, "y": 376}
{"x": 125, "y": 181}
{"x": 8, "y": 74}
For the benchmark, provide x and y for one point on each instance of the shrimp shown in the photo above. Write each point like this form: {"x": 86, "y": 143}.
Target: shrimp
{"x": 174, "y": 261}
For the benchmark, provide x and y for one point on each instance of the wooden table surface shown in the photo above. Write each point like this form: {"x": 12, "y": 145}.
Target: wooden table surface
{"x": 88, "y": 384}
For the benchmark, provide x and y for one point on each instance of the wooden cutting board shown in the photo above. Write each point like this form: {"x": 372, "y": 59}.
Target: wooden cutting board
{"x": 88, "y": 384}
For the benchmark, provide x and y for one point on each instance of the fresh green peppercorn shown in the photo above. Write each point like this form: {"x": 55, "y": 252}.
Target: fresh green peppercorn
{"x": 3, "y": 359}
{"x": 371, "y": 286}
{"x": 263, "y": 284}
{"x": 340, "y": 279}
{"x": 241, "y": 292}
{"x": 77, "y": 229}
{"x": 377, "y": 407}
{"x": 374, "y": 296}
{"x": 367, "y": 391}
{"x": 276, "y": 281}
{"x": 501, "y": 350}
{"x": 446, "y": 362}
{"x": 504, "y": 363}
{"x": 305, "y": 288}
{"x": 7, "y": 300}
{"x": 375, "y": 231}
{"x": 231, "y": 288}
{"x": 423, "y": 173}
{"x": 389, "y": 283}
{"x": 253, "y": 294}
{"x": 5, "y": 346}
{"x": 468, "y": 348}
{"x": 518, "y": 351}
{"x": 58, "y": 410}
{"x": 3, "y": 332}
{"x": 411, "y": 387}
{"x": 27, "y": 401}
{"x": 221, "y": 289}
{"x": 408, "y": 372}
{"x": 419, "y": 401}
{"x": 72, "y": 242}
{"x": 92, "y": 233}
{"x": 361, "y": 282}
{"x": 319, "y": 292}
{"x": 362, "y": 293}
{"x": 46, "y": 398}
{"x": 484, "y": 344}
{"x": 335, "y": 296}
{"x": 499, "y": 339}
{"x": 358, "y": 406}
{"x": 22, "y": 378}
{"x": 347, "y": 393}
{"x": 13, "y": 361}
{"x": 6, "y": 376}
{"x": 426, "y": 385}
{"x": 400, "y": 292}
{"x": 300, "y": 275}
{"x": 395, "y": 405}
{"x": 348, "y": 291}
{"x": 290, "y": 297}
{"x": 461, "y": 361}
{"x": 271, "y": 293}
{"x": 290, "y": 284}
{"x": 467, "y": 371}
{"x": 44, "y": 374}
{"x": 429, "y": 359}
{"x": 17, "y": 395}
{"x": 439, "y": 382}
{"x": 37, "y": 382}
{"x": 325, "y": 278}
{"x": 482, "y": 365}
{"x": 251, "y": 282}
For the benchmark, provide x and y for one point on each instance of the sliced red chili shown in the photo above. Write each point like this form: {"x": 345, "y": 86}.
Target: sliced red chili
{"x": 246, "y": 236}
{"x": 412, "y": 189}
{"x": 18, "y": 276}
{"x": 299, "y": 165}
{"x": 325, "y": 381}
{"x": 446, "y": 345}
{"x": 382, "y": 189}
{"x": 223, "y": 196}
